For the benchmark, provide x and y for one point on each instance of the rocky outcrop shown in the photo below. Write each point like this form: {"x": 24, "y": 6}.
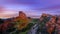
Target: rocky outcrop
{"x": 21, "y": 21}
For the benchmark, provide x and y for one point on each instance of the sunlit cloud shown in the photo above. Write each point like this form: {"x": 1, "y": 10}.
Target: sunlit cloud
{"x": 10, "y": 8}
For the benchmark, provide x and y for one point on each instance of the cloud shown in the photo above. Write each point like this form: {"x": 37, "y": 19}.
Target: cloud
{"x": 39, "y": 4}
{"x": 31, "y": 7}
{"x": 8, "y": 14}
{"x": 2, "y": 8}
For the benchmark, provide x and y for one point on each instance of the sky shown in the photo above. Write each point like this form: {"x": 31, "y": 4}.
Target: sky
{"x": 10, "y": 8}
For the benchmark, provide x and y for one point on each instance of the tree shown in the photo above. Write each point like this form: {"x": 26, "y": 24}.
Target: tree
{"x": 1, "y": 21}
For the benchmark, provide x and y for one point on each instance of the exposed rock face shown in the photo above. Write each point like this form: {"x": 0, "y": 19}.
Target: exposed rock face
{"x": 58, "y": 26}
{"x": 43, "y": 16}
{"x": 21, "y": 20}
{"x": 43, "y": 20}
{"x": 51, "y": 24}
